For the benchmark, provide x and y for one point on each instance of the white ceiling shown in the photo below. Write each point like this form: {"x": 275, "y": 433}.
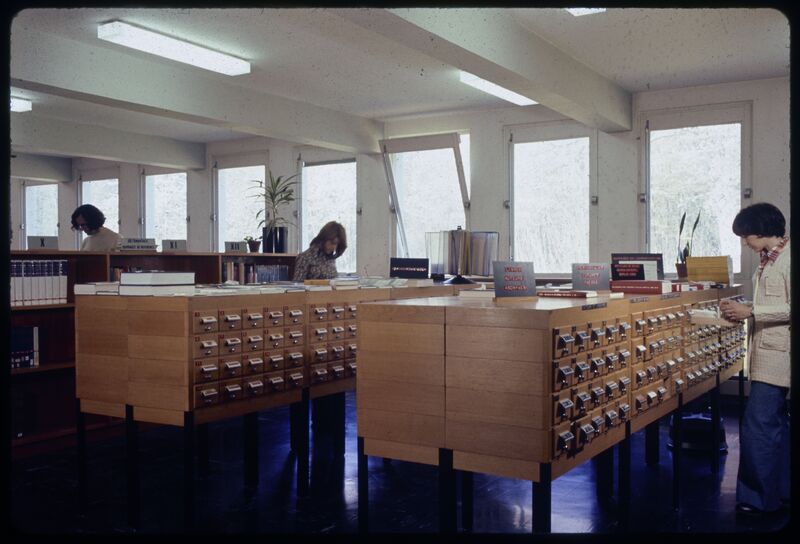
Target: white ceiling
{"x": 316, "y": 56}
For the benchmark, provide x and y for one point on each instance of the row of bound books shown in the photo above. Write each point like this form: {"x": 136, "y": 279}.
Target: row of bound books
{"x": 36, "y": 282}
{"x": 24, "y": 347}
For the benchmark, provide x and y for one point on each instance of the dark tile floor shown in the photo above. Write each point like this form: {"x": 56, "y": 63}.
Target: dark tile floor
{"x": 402, "y": 497}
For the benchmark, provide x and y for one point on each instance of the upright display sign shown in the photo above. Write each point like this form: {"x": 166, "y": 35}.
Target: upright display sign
{"x": 514, "y": 279}
{"x": 590, "y": 276}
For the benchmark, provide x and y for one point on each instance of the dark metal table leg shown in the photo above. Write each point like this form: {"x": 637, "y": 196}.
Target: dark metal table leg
{"x": 363, "y": 488}
{"x": 188, "y": 470}
{"x": 251, "y": 449}
{"x": 80, "y": 435}
{"x": 604, "y": 465}
{"x": 447, "y": 492}
{"x": 651, "y": 443}
{"x": 624, "y": 450}
{"x": 132, "y": 466}
{"x": 542, "y": 500}
{"x": 715, "y": 427}
{"x": 302, "y": 445}
{"x": 202, "y": 449}
{"x": 677, "y": 453}
{"x": 467, "y": 500}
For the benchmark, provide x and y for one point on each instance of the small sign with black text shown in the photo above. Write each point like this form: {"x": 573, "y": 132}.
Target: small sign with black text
{"x": 408, "y": 268}
{"x": 514, "y": 279}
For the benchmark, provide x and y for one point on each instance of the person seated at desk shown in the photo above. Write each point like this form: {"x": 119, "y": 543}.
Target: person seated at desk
{"x": 318, "y": 262}
{"x": 90, "y": 220}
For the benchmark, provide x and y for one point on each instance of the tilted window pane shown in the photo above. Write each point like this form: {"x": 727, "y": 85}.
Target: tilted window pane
{"x": 695, "y": 169}
{"x": 238, "y": 205}
{"x": 429, "y": 194}
{"x": 165, "y": 207}
{"x": 41, "y": 210}
{"x": 104, "y": 195}
{"x": 551, "y": 203}
{"x": 329, "y": 194}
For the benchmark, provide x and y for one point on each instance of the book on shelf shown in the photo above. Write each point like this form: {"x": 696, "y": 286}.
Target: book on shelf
{"x": 96, "y": 288}
{"x": 156, "y": 290}
{"x": 24, "y": 347}
{"x": 37, "y": 282}
{"x": 645, "y": 287}
{"x": 156, "y": 277}
{"x": 566, "y": 293}
{"x": 317, "y": 282}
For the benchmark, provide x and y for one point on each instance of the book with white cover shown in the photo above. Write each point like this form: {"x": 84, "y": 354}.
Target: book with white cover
{"x": 96, "y": 287}
{"x": 156, "y": 290}
{"x": 156, "y": 278}
{"x": 709, "y": 317}
{"x": 476, "y": 293}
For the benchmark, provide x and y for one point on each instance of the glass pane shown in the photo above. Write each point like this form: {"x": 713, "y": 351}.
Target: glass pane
{"x": 546, "y": 231}
{"x": 329, "y": 194}
{"x": 695, "y": 169}
{"x": 104, "y": 195}
{"x": 428, "y": 193}
{"x": 165, "y": 207}
{"x": 238, "y": 205}
{"x": 41, "y": 210}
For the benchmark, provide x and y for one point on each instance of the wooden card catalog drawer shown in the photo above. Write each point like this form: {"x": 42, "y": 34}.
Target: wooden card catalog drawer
{"x": 275, "y": 317}
{"x": 273, "y": 338}
{"x": 230, "y": 367}
{"x": 230, "y": 319}
{"x": 336, "y": 351}
{"x": 231, "y": 390}
{"x": 351, "y": 329}
{"x": 351, "y": 311}
{"x": 252, "y": 364}
{"x": 337, "y": 331}
{"x": 274, "y": 382}
{"x": 206, "y": 395}
{"x": 230, "y": 343}
{"x": 317, "y": 312}
{"x": 319, "y": 373}
{"x": 318, "y": 333}
{"x": 253, "y": 387}
{"x": 253, "y": 342}
{"x": 294, "y": 379}
{"x": 336, "y": 311}
{"x": 294, "y": 315}
{"x": 319, "y": 353}
{"x": 350, "y": 350}
{"x": 294, "y": 358}
{"x": 252, "y": 318}
{"x": 274, "y": 360}
{"x": 336, "y": 370}
{"x": 205, "y": 345}
{"x": 204, "y": 321}
{"x": 350, "y": 368}
{"x": 206, "y": 370}
{"x": 293, "y": 336}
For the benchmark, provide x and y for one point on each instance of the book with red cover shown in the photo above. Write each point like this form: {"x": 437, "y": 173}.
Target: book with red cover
{"x": 564, "y": 293}
{"x": 648, "y": 287}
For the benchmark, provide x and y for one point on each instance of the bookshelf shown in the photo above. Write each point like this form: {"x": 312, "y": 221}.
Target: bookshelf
{"x": 43, "y": 398}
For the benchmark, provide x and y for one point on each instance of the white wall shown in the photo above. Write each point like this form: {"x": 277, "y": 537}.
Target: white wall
{"x": 619, "y": 213}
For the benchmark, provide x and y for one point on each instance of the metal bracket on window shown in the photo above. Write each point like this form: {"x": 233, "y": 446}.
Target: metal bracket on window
{"x": 595, "y": 200}
{"x": 141, "y": 220}
{"x": 467, "y": 205}
{"x": 294, "y": 213}
{"x": 392, "y": 209}
{"x": 643, "y": 198}
{"x": 507, "y": 204}
{"x": 358, "y": 210}
{"x": 747, "y": 193}
{"x": 213, "y": 217}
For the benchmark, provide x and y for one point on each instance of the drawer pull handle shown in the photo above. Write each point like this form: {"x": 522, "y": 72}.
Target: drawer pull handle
{"x": 208, "y": 320}
{"x": 276, "y": 382}
{"x": 565, "y": 441}
{"x": 353, "y": 367}
{"x": 564, "y": 374}
{"x": 208, "y": 395}
{"x": 624, "y": 382}
{"x": 582, "y": 401}
{"x": 337, "y": 310}
{"x": 254, "y": 317}
{"x": 564, "y": 406}
{"x": 208, "y": 344}
{"x": 611, "y": 418}
{"x": 233, "y": 365}
{"x": 623, "y": 330}
{"x": 338, "y": 330}
{"x": 296, "y": 378}
{"x": 256, "y": 362}
{"x": 338, "y": 371}
{"x": 581, "y": 370}
{"x": 624, "y": 410}
{"x": 597, "y": 424}
{"x": 275, "y": 359}
{"x": 295, "y": 313}
{"x": 295, "y": 356}
{"x": 278, "y": 315}
{"x": 587, "y": 433}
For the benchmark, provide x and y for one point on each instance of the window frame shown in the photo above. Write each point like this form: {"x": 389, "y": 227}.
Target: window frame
{"x": 232, "y": 160}
{"x": 23, "y": 198}
{"x": 430, "y": 142}
{"x": 697, "y": 116}
{"x": 97, "y": 174}
{"x": 545, "y": 132}
{"x": 157, "y": 171}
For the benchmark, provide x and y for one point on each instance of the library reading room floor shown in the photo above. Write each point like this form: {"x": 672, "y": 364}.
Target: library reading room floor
{"x": 402, "y": 496}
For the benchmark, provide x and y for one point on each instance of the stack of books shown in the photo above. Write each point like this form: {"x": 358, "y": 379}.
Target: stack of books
{"x": 156, "y": 283}
{"x": 344, "y": 282}
{"x": 97, "y": 288}
{"x": 644, "y": 287}
{"x": 24, "y": 347}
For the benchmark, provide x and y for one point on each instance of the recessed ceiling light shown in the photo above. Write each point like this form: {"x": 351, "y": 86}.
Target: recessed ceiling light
{"x": 171, "y": 48}
{"x": 577, "y": 12}
{"x": 494, "y": 89}
{"x": 20, "y": 104}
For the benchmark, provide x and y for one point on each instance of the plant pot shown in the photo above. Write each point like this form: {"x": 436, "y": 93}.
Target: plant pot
{"x": 254, "y": 245}
{"x": 275, "y": 240}
{"x": 681, "y": 268}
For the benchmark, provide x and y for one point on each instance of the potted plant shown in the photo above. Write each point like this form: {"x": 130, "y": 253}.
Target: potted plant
{"x": 253, "y": 244}
{"x": 685, "y": 251}
{"x": 275, "y": 192}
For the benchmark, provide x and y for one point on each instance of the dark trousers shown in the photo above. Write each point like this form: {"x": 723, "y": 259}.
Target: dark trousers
{"x": 763, "y": 478}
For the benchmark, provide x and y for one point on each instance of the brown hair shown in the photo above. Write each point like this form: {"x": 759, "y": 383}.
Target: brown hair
{"x": 331, "y": 230}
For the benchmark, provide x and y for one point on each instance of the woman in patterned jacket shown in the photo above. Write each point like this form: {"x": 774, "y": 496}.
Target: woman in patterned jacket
{"x": 763, "y": 480}
{"x": 318, "y": 262}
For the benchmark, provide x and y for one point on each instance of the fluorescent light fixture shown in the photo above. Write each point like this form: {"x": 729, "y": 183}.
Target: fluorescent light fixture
{"x": 171, "y": 48}
{"x": 496, "y": 90}
{"x": 577, "y": 12}
{"x": 20, "y": 104}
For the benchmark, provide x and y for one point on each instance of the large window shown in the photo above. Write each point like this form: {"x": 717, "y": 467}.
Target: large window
{"x": 551, "y": 197}
{"x": 329, "y": 194}
{"x": 165, "y": 206}
{"x": 695, "y": 165}
{"x": 41, "y": 210}
{"x": 104, "y": 195}
{"x": 236, "y": 204}
{"x": 429, "y": 193}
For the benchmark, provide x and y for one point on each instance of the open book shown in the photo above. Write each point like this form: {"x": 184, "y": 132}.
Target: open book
{"x": 709, "y": 317}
